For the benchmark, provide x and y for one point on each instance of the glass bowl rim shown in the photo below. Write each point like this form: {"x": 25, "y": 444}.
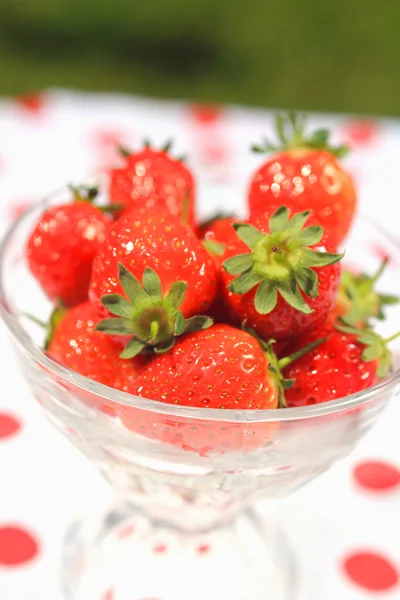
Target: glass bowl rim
{"x": 125, "y": 399}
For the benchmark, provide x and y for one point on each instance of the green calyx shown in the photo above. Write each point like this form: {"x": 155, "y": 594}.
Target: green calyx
{"x": 376, "y": 347}
{"x": 152, "y": 319}
{"x": 84, "y": 193}
{"x": 357, "y": 294}
{"x": 214, "y": 247}
{"x": 166, "y": 147}
{"x": 50, "y": 327}
{"x": 276, "y": 365}
{"x": 291, "y": 133}
{"x": 88, "y": 194}
{"x": 279, "y": 262}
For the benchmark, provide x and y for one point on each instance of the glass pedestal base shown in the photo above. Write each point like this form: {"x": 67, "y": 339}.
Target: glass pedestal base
{"x": 125, "y": 556}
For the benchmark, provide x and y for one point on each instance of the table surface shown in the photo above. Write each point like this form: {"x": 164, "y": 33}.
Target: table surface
{"x": 350, "y": 517}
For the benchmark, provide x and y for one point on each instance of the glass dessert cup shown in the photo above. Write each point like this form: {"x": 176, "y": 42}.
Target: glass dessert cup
{"x": 185, "y": 479}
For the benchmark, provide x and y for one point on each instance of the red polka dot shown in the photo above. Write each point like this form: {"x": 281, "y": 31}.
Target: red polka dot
{"x": 160, "y": 549}
{"x": 17, "y": 546}
{"x": 32, "y": 103}
{"x": 215, "y": 153}
{"x": 203, "y": 549}
{"x": 108, "y": 138}
{"x": 109, "y": 595}
{"x": 9, "y": 426}
{"x": 126, "y": 532}
{"x": 371, "y": 571}
{"x": 362, "y": 132}
{"x": 206, "y": 114}
{"x": 377, "y": 475}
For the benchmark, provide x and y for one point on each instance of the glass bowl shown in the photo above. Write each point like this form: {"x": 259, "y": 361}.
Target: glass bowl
{"x": 185, "y": 479}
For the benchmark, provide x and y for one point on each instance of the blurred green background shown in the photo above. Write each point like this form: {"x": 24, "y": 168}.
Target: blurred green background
{"x": 340, "y": 55}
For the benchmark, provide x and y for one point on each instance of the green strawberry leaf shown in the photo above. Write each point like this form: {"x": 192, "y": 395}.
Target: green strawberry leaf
{"x": 266, "y": 297}
{"x": 245, "y": 282}
{"x": 297, "y": 222}
{"x": 291, "y": 134}
{"x": 131, "y": 285}
{"x": 115, "y": 326}
{"x": 213, "y": 247}
{"x": 293, "y": 297}
{"x": 180, "y": 323}
{"x": 197, "y": 323}
{"x": 307, "y": 279}
{"x": 152, "y": 284}
{"x": 311, "y": 258}
{"x": 311, "y": 235}
{"x": 118, "y": 305}
{"x": 248, "y": 234}
{"x": 176, "y": 293}
{"x": 279, "y": 220}
{"x": 133, "y": 348}
{"x": 376, "y": 347}
{"x": 237, "y": 264}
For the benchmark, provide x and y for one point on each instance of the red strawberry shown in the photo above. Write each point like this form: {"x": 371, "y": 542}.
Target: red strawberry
{"x": 305, "y": 172}
{"x": 357, "y": 301}
{"x": 350, "y": 360}
{"x": 62, "y": 246}
{"x": 279, "y": 277}
{"x": 75, "y": 344}
{"x": 153, "y": 179}
{"x": 215, "y": 235}
{"x": 179, "y": 279}
{"x": 221, "y": 368}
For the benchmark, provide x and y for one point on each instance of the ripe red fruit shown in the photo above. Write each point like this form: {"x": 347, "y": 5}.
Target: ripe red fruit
{"x": 305, "y": 171}
{"x": 350, "y": 360}
{"x": 358, "y": 301}
{"x": 154, "y": 179}
{"x": 61, "y": 249}
{"x": 280, "y": 276}
{"x": 75, "y": 344}
{"x": 215, "y": 235}
{"x": 221, "y": 368}
{"x": 179, "y": 280}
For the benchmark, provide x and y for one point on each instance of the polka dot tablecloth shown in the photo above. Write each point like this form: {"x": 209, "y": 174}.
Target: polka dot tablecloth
{"x": 345, "y": 526}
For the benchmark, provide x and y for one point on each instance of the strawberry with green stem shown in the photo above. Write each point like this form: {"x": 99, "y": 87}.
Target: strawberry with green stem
{"x": 152, "y": 178}
{"x": 305, "y": 170}
{"x": 280, "y": 275}
{"x": 351, "y": 359}
{"x": 61, "y": 248}
{"x": 358, "y": 301}
{"x": 152, "y": 280}
{"x": 149, "y": 318}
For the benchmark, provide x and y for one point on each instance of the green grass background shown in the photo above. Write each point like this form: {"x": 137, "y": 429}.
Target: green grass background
{"x": 339, "y": 55}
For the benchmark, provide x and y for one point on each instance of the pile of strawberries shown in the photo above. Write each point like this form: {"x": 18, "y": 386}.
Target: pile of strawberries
{"x": 228, "y": 314}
